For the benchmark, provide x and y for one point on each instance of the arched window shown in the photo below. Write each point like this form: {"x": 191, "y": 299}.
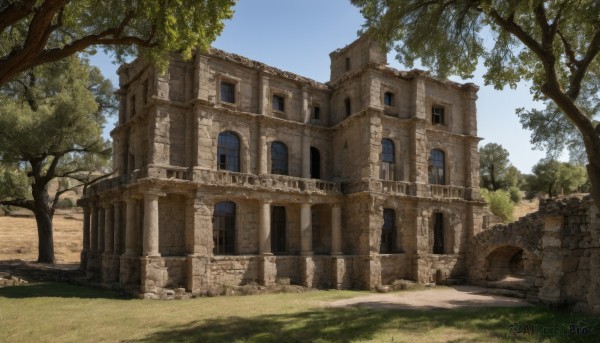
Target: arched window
{"x": 388, "y": 232}
{"x": 228, "y": 152}
{"x": 278, "y": 224}
{"x": 224, "y": 228}
{"x": 315, "y": 163}
{"x": 438, "y": 233}
{"x": 388, "y": 162}
{"x": 279, "y": 158}
{"x": 437, "y": 167}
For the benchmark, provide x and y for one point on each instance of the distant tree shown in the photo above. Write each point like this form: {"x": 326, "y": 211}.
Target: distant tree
{"x": 553, "y": 44}
{"x": 51, "y": 120}
{"x": 500, "y": 204}
{"x": 554, "y": 178}
{"x": 33, "y": 32}
{"x": 493, "y": 166}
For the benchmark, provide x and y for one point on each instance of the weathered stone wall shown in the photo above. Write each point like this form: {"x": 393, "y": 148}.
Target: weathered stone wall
{"x": 395, "y": 267}
{"x": 171, "y": 231}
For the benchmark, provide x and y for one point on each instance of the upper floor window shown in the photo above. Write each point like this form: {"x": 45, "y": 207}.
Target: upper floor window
{"x": 437, "y": 167}
{"x": 388, "y": 99}
{"x": 317, "y": 113}
{"x": 437, "y": 115}
{"x": 279, "y": 158}
{"x": 278, "y": 103}
{"x": 347, "y": 107}
{"x": 224, "y": 228}
{"x": 227, "y": 92}
{"x": 347, "y": 65}
{"x": 228, "y": 152}
{"x": 388, "y": 163}
{"x": 315, "y": 163}
{"x": 388, "y": 232}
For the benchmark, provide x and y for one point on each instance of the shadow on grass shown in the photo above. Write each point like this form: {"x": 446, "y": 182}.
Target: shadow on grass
{"x": 57, "y": 290}
{"x": 360, "y": 324}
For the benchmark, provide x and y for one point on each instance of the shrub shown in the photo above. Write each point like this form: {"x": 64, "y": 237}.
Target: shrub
{"x": 515, "y": 195}
{"x": 500, "y": 204}
{"x": 65, "y": 203}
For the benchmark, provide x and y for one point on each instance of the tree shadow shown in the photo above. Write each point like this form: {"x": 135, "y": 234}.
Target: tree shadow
{"x": 58, "y": 290}
{"x": 357, "y": 324}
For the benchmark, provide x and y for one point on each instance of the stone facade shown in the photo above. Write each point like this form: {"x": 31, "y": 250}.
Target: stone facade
{"x": 554, "y": 253}
{"x": 230, "y": 171}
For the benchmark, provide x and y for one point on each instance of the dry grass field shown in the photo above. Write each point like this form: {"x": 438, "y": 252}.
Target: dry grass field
{"x": 18, "y": 236}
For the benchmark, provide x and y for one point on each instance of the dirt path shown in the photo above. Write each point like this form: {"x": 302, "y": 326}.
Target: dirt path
{"x": 432, "y": 298}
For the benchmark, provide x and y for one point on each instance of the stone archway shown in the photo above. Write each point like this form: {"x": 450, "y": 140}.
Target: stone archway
{"x": 506, "y": 261}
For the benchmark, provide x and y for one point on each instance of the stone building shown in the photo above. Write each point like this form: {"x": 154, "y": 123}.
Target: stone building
{"x": 231, "y": 171}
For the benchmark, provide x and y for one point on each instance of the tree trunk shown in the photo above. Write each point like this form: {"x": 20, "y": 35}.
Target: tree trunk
{"x": 43, "y": 217}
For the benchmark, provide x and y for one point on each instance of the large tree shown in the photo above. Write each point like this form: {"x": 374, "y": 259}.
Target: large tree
{"x": 33, "y": 32}
{"x": 493, "y": 166}
{"x": 554, "y": 177}
{"x": 553, "y": 44}
{"x": 51, "y": 120}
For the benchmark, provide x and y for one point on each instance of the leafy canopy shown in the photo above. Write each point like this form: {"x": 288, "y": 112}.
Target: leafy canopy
{"x": 493, "y": 166}
{"x": 33, "y": 32}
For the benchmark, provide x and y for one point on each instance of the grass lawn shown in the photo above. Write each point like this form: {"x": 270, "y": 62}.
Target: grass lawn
{"x": 55, "y": 312}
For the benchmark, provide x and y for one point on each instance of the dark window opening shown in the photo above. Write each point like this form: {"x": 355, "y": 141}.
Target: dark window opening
{"x": 347, "y": 107}
{"x": 388, "y": 165}
{"x": 316, "y": 113}
{"x": 228, "y": 92}
{"x": 278, "y": 224}
{"x": 438, "y": 233}
{"x": 315, "y": 163}
{"x": 388, "y": 99}
{"x": 278, "y": 103}
{"x": 437, "y": 115}
{"x": 388, "y": 232}
{"x": 132, "y": 106}
{"x": 437, "y": 167}
{"x": 145, "y": 90}
{"x": 347, "y": 66}
{"x": 279, "y": 158}
{"x": 224, "y": 228}
{"x": 228, "y": 152}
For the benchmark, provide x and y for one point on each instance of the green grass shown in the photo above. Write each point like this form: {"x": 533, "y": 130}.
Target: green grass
{"x": 53, "y": 312}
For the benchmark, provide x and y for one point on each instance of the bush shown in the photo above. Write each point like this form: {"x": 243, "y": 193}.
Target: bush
{"x": 500, "y": 204}
{"x": 515, "y": 195}
{"x": 65, "y": 203}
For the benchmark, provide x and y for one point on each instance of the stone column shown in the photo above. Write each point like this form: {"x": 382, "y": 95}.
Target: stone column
{"x": 263, "y": 94}
{"x": 306, "y": 154}
{"x": 264, "y": 228}
{"x": 86, "y": 228}
{"x": 108, "y": 229}
{"x": 306, "y": 230}
{"x": 150, "y": 247}
{"x": 336, "y": 229}
{"x": 117, "y": 228}
{"x": 94, "y": 228}
{"x": 305, "y": 105}
{"x": 262, "y": 150}
{"x": 101, "y": 229}
{"x": 131, "y": 229}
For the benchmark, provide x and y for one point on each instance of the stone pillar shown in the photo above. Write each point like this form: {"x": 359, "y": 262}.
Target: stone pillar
{"x": 150, "y": 247}
{"x": 86, "y": 237}
{"x": 306, "y": 154}
{"x": 108, "y": 229}
{"x": 94, "y": 228}
{"x": 552, "y": 261}
{"x": 306, "y": 230}
{"x": 336, "y": 229}
{"x": 263, "y": 94}
{"x": 264, "y": 228}
{"x": 131, "y": 229}
{"x": 101, "y": 229}
{"x": 262, "y": 150}
{"x": 117, "y": 228}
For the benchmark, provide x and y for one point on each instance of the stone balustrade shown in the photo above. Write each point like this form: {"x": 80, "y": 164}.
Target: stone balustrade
{"x": 446, "y": 191}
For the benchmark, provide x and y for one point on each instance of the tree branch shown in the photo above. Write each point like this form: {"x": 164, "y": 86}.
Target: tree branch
{"x": 15, "y": 12}
{"x": 512, "y": 27}
{"x": 23, "y": 203}
{"x": 583, "y": 64}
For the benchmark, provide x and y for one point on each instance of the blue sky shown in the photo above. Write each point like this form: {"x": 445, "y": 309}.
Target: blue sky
{"x": 298, "y": 36}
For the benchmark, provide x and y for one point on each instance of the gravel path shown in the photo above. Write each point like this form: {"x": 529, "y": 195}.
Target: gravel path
{"x": 432, "y": 298}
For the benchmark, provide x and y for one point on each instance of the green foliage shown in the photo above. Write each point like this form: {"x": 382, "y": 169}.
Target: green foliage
{"x": 554, "y": 178}
{"x": 65, "y": 203}
{"x": 499, "y": 203}
{"x": 493, "y": 166}
{"x": 515, "y": 195}
{"x": 137, "y": 27}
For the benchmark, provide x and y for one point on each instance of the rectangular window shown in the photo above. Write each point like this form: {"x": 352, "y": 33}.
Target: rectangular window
{"x": 278, "y": 103}
{"x": 132, "y": 106}
{"x": 145, "y": 89}
{"x": 438, "y": 233}
{"x": 347, "y": 63}
{"x": 437, "y": 115}
{"x": 388, "y": 99}
{"x": 347, "y": 107}
{"x": 316, "y": 113}
{"x": 228, "y": 92}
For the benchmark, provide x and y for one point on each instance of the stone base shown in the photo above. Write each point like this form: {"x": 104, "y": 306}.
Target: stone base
{"x": 339, "y": 273}
{"x": 110, "y": 268}
{"x": 153, "y": 274}
{"x": 83, "y": 260}
{"x": 129, "y": 270}
{"x": 307, "y": 271}
{"x": 267, "y": 270}
{"x": 94, "y": 266}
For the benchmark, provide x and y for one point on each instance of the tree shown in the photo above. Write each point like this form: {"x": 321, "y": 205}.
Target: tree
{"x": 33, "y": 32}
{"x": 493, "y": 166}
{"x": 554, "y": 178}
{"x": 51, "y": 122}
{"x": 553, "y": 44}
{"x": 500, "y": 204}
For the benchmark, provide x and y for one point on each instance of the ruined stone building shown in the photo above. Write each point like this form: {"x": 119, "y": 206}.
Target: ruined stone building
{"x": 231, "y": 171}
